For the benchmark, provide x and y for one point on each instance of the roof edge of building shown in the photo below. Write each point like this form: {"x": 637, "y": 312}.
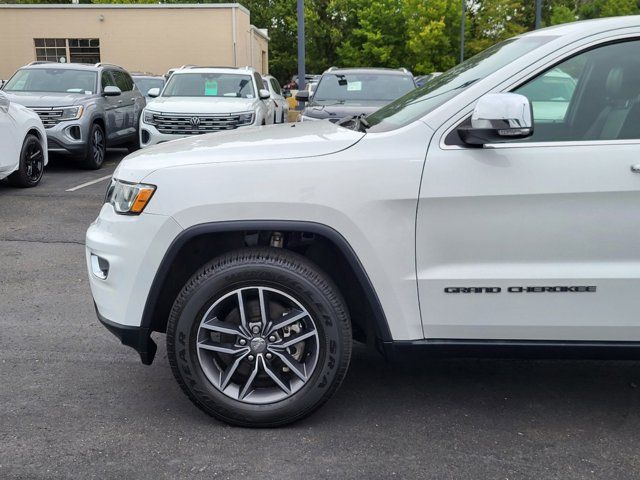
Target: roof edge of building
{"x": 130, "y": 6}
{"x": 260, "y": 31}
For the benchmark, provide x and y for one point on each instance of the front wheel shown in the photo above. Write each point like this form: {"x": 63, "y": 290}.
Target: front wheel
{"x": 96, "y": 149}
{"x": 31, "y": 166}
{"x": 259, "y": 337}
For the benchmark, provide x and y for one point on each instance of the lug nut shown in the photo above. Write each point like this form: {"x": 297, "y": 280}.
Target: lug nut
{"x": 272, "y": 338}
{"x": 269, "y": 356}
{"x": 242, "y": 341}
{"x": 251, "y": 358}
{"x": 256, "y": 329}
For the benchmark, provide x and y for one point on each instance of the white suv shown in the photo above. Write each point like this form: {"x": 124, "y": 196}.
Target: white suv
{"x": 467, "y": 217}
{"x": 23, "y": 144}
{"x": 199, "y": 100}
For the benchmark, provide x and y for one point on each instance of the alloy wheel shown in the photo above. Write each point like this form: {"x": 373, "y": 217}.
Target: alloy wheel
{"x": 34, "y": 162}
{"x": 257, "y": 345}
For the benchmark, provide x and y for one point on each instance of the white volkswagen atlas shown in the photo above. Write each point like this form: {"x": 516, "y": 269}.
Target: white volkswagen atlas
{"x": 452, "y": 220}
{"x": 199, "y": 100}
{"x": 23, "y": 144}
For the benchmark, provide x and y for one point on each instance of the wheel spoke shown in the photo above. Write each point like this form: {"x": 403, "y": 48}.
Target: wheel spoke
{"x": 296, "y": 367}
{"x": 263, "y": 309}
{"x": 293, "y": 339}
{"x": 288, "y": 319}
{"x": 225, "y": 377}
{"x": 227, "y": 348}
{"x": 275, "y": 377}
{"x": 243, "y": 316}
{"x": 249, "y": 383}
{"x": 216, "y": 325}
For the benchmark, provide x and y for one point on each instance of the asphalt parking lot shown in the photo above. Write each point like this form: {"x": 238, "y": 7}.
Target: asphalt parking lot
{"x": 74, "y": 403}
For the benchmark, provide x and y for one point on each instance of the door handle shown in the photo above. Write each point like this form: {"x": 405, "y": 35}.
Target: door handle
{"x": 635, "y": 168}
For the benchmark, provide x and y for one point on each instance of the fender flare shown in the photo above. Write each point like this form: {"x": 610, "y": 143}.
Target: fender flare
{"x": 380, "y": 321}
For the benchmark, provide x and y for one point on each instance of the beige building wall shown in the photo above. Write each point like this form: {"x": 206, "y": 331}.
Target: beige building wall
{"x": 149, "y": 38}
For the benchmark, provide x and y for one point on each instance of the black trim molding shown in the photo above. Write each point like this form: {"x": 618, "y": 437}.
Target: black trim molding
{"x": 137, "y": 338}
{"x": 543, "y": 349}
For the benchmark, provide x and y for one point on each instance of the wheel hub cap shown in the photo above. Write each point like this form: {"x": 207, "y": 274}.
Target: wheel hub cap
{"x": 258, "y": 345}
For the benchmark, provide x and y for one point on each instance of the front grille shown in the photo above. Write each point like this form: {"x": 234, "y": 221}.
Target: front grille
{"x": 50, "y": 116}
{"x": 182, "y": 124}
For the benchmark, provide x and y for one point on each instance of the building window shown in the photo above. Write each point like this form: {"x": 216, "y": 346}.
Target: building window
{"x": 75, "y": 50}
{"x": 50, "y": 49}
{"x": 84, "y": 50}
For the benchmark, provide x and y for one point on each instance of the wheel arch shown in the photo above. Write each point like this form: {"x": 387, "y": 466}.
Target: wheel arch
{"x": 206, "y": 241}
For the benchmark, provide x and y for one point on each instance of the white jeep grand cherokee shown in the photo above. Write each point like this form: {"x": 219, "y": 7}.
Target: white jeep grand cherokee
{"x": 492, "y": 211}
{"x": 199, "y": 100}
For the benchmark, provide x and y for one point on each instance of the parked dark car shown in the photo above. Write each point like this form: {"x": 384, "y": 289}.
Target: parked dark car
{"x": 422, "y": 79}
{"x": 147, "y": 81}
{"x": 347, "y": 92}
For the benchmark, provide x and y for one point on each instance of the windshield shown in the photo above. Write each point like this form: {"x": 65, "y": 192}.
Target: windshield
{"x": 338, "y": 87}
{"x": 438, "y": 90}
{"x": 209, "y": 85}
{"x": 145, "y": 84}
{"x": 53, "y": 80}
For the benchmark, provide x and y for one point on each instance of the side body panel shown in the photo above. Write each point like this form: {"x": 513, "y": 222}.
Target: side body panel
{"x": 548, "y": 232}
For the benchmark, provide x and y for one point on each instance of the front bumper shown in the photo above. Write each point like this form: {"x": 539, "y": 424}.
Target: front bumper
{"x": 149, "y": 135}
{"x": 130, "y": 250}
{"x": 68, "y": 137}
{"x": 138, "y": 338}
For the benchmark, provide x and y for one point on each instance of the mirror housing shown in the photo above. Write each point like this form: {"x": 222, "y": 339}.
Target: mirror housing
{"x": 286, "y": 93}
{"x": 499, "y": 117}
{"x": 264, "y": 94}
{"x": 153, "y": 92}
{"x": 111, "y": 91}
{"x": 302, "y": 96}
{"x": 4, "y": 101}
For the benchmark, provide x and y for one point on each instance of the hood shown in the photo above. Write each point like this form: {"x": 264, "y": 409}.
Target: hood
{"x": 200, "y": 105}
{"x": 343, "y": 110}
{"x": 271, "y": 142}
{"x": 46, "y": 99}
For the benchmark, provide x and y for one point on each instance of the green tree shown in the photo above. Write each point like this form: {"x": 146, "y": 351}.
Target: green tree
{"x": 432, "y": 34}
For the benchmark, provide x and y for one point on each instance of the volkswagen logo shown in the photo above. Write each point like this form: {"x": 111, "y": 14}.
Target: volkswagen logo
{"x": 195, "y": 122}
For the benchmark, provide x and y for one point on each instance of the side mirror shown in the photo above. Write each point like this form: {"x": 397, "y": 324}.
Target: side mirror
{"x": 153, "y": 92}
{"x": 286, "y": 93}
{"x": 111, "y": 91}
{"x": 302, "y": 96}
{"x": 4, "y": 101}
{"x": 499, "y": 117}
{"x": 264, "y": 94}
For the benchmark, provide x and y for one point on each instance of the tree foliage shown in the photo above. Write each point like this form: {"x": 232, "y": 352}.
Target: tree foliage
{"x": 422, "y": 35}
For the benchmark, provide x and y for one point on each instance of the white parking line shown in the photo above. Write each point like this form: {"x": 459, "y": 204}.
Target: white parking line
{"x": 92, "y": 182}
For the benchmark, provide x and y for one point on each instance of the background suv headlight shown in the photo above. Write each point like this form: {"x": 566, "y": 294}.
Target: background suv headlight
{"x": 72, "y": 113}
{"x": 129, "y": 198}
{"x": 148, "y": 117}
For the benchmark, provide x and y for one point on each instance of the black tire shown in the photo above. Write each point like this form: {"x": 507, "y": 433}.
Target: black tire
{"x": 269, "y": 268}
{"x": 96, "y": 148}
{"x": 31, "y": 167}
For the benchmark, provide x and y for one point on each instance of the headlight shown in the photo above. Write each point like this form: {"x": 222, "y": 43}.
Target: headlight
{"x": 245, "y": 118}
{"x": 129, "y": 198}
{"x": 148, "y": 117}
{"x": 72, "y": 113}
